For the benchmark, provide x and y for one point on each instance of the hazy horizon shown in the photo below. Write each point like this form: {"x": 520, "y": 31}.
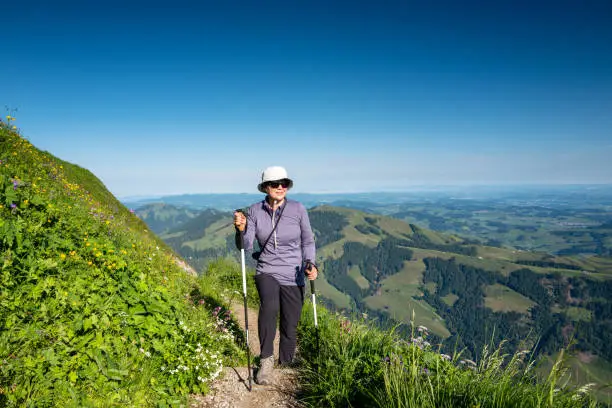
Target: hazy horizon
{"x": 414, "y": 189}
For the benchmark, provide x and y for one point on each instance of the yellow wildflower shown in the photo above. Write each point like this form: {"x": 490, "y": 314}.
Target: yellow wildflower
{"x": 63, "y": 256}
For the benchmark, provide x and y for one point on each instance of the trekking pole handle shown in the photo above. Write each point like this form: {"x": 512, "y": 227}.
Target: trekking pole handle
{"x": 308, "y": 268}
{"x": 240, "y": 234}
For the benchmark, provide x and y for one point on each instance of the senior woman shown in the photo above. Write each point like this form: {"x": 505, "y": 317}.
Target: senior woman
{"x": 287, "y": 254}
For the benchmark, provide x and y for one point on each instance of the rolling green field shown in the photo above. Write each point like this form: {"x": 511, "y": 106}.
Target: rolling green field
{"x": 358, "y": 277}
{"x": 214, "y": 236}
{"x": 449, "y": 299}
{"x": 501, "y": 298}
{"x": 339, "y": 299}
{"x": 409, "y": 310}
{"x": 396, "y": 297}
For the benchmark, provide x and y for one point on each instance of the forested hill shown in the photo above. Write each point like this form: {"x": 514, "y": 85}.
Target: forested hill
{"x": 469, "y": 295}
{"x": 94, "y": 309}
{"x": 466, "y": 294}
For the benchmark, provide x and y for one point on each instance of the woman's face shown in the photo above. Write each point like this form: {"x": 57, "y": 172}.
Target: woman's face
{"x": 277, "y": 190}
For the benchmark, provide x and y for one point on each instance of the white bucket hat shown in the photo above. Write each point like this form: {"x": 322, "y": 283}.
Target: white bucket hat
{"x": 273, "y": 173}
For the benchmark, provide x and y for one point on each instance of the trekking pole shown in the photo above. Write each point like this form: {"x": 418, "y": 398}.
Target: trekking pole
{"x": 246, "y": 309}
{"x": 314, "y": 305}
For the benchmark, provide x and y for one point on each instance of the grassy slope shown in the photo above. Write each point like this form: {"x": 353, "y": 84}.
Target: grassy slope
{"x": 161, "y": 216}
{"x": 500, "y": 298}
{"x": 397, "y": 297}
{"x": 94, "y": 309}
{"x": 359, "y": 279}
{"x": 214, "y": 236}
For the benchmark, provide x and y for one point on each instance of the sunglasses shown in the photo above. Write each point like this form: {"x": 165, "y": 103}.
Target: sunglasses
{"x": 276, "y": 184}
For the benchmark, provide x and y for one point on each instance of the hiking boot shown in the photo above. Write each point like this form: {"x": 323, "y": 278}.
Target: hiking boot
{"x": 289, "y": 364}
{"x": 264, "y": 374}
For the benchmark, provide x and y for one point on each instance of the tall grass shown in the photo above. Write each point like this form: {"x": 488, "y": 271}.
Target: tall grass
{"x": 351, "y": 363}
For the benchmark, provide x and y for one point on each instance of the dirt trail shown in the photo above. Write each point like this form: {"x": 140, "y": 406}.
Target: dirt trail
{"x": 231, "y": 390}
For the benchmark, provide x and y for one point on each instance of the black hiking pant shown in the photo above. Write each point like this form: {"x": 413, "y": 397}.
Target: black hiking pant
{"x": 272, "y": 299}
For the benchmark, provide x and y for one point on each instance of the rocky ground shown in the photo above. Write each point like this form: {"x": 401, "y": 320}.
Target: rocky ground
{"x": 231, "y": 390}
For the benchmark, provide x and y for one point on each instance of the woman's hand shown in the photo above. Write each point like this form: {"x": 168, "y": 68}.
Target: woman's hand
{"x": 312, "y": 272}
{"x": 240, "y": 221}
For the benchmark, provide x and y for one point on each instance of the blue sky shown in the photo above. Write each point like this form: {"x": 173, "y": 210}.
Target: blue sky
{"x": 199, "y": 97}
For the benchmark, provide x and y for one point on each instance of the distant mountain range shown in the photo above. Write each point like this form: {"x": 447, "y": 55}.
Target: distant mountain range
{"x": 574, "y": 196}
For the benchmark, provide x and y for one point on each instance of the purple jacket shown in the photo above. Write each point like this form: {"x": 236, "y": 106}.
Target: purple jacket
{"x": 288, "y": 247}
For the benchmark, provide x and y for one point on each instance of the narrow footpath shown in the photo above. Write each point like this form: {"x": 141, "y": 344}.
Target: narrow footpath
{"x": 231, "y": 389}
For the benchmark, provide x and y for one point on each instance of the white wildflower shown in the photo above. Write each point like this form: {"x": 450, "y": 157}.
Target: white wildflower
{"x": 585, "y": 388}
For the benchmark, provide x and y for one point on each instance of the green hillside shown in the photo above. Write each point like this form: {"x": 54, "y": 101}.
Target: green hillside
{"x": 161, "y": 217}
{"x": 207, "y": 236}
{"x": 94, "y": 309}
